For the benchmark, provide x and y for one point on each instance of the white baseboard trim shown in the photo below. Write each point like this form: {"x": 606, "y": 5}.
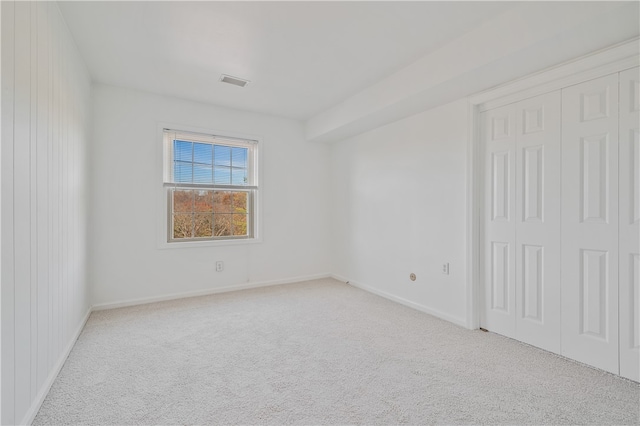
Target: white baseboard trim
{"x": 44, "y": 390}
{"x": 402, "y": 301}
{"x": 205, "y": 292}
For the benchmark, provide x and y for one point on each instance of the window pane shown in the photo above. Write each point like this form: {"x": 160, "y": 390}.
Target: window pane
{"x": 222, "y": 175}
{"x": 182, "y": 151}
{"x": 222, "y": 224}
{"x": 240, "y": 202}
{"x": 203, "y": 225}
{"x": 182, "y": 172}
{"x": 222, "y": 202}
{"x": 201, "y": 174}
{"x": 238, "y": 176}
{"x": 239, "y": 224}
{"x": 182, "y": 201}
{"x": 203, "y": 201}
{"x": 200, "y": 211}
{"x": 202, "y": 153}
{"x": 222, "y": 155}
{"x": 182, "y": 225}
{"x": 239, "y": 157}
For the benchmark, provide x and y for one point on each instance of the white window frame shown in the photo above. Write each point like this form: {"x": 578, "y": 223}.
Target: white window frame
{"x": 165, "y": 183}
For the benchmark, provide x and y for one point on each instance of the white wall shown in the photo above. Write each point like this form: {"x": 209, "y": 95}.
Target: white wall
{"x": 400, "y": 207}
{"x": 125, "y": 261}
{"x": 45, "y": 122}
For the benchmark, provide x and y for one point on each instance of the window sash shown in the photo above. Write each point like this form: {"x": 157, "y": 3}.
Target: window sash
{"x": 208, "y": 186}
{"x": 250, "y": 217}
{"x": 171, "y": 135}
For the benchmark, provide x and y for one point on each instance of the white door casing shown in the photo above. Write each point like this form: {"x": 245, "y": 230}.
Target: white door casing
{"x": 590, "y": 222}
{"x": 537, "y": 262}
{"x": 498, "y": 135}
{"x": 629, "y": 191}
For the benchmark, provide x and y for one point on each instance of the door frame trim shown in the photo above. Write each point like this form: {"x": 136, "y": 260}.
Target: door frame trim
{"x": 613, "y": 59}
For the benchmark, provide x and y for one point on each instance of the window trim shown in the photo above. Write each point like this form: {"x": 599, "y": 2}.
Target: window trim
{"x": 165, "y": 237}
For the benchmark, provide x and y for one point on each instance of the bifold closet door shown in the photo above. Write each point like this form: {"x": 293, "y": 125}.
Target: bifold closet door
{"x": 630, "y": 224}
{"x": 538, "y": 175}
{"x": 521, "y": 221}
{"x": 498, "y": 130}
{"x": 590, "y": 222}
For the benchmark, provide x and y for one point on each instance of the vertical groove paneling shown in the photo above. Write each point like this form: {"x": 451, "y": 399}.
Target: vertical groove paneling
{"x": 50, "y": 187}
{"x": 45, "y": 98}
{"x": 33, "y": 193}
{"x": 56, "y": 188}
{"x": 42, "y": 210}
{"x": 21, "y": 200}
{"x": 55, "y": 108}
{"x": 64, "y": 172}
{"x": 8, "y": 266}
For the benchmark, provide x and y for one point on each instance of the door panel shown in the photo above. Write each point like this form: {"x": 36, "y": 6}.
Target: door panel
{"x": 590, "y": 222}
{"x": 629, "y": 224}
{"x": 537, "y": 283}
{"x": 498, "y": 231}
{"x": 522, "y": 221}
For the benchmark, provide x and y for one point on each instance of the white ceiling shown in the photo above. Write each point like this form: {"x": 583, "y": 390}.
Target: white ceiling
{"x": 526, "y": 39}
{"x": 301, "y": 57}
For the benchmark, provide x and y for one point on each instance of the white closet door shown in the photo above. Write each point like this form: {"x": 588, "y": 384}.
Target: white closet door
{"x": 590, "y": 222}
{"x": 629, "y": 224}
{"x": 538, "y": 176}
{"x": 499, "y": 138}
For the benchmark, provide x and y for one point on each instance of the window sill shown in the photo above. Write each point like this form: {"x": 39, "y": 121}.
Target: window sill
{"x": 209, "y": 243}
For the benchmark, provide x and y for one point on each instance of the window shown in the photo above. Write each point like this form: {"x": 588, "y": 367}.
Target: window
{"x": 211, "y": 187}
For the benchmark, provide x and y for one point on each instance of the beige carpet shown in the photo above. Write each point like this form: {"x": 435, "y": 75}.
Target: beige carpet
{"x": 319, "y": 352}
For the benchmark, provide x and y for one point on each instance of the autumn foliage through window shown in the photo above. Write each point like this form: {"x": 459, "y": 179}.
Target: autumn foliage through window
{"x": 202, "y": 213}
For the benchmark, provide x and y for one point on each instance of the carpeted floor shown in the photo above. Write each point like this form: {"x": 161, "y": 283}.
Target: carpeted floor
{"x": 319, "y": 352}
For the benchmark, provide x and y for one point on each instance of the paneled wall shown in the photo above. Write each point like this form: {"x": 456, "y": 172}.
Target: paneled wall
{"x": 45, "y": 122}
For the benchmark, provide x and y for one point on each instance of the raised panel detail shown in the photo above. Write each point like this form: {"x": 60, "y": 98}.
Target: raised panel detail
{"x": 594, "y": 178}
{"x": 533, "y": 179}
{"x": 634, "y": 287}
{"x": 500, "y": 276}
{"x": 635, "y": 96}
{"x": 595, "y": 105}
{"x": 532, "y": 280}
{"x": 533, "y": 120}
{"x": 594, "y": 285}
{"x": 499, "y": 128}
{"x": 634, "y": 174}
{"x": 500, "y": 186}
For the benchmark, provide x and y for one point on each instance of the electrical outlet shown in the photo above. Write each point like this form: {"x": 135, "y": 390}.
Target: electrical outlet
{"x": 445, "y": 268}
{"x": 219, "y": 266}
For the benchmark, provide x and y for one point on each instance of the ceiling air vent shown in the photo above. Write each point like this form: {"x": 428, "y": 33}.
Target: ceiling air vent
{"x": 233, "y": 80}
